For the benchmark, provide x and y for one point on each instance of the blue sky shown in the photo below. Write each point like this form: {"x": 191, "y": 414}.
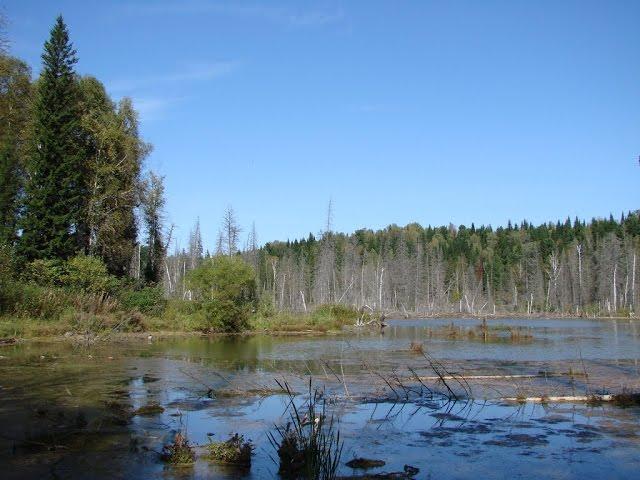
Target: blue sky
{"x": 399, "y": 111}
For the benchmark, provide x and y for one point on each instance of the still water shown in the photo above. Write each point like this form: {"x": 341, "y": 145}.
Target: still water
{"x": 60, "y": 404}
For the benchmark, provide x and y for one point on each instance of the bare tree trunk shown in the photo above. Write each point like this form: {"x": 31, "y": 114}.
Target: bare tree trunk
{"x": 615, "y": 291}
{"x": 304, "y": 304}
{"x": 633, "y": 283}
{"x": 380, "y": 284}
{"x": 579, "y": 250}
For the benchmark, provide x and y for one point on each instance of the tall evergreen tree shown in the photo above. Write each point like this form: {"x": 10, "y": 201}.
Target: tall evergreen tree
{"x": 153, "y": 205}
{"x": 53, "y": 223}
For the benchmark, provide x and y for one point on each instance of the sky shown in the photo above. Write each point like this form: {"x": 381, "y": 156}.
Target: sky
{"x": 434, "y": 112}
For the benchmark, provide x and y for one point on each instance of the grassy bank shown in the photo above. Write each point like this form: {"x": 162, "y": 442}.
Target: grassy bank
{"x": 102, "y": 318}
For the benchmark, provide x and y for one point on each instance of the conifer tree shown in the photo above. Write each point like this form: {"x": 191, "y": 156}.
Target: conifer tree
{"x": 153, "y": 205}
{"x": 52, "y": 226}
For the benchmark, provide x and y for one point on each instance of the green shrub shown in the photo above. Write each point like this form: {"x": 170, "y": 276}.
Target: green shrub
{"x": 7, "y": 263}
{"x": 225, "y": 315}
{"x": 148, "y": 300}
{"x": 81, "y": 273}
{"x": 7, "y": 284}
{"x": 45, "y": 273}
{"x": 35, "y": 301}
{"x": 27, "y": 299}
{"x": 224, "y": 292}
{"x": 265, "y": 307}
{"x": 87, "y": 274}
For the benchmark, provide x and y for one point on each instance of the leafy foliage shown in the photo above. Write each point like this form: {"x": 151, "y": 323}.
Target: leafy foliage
{"x": 224, "y": 288}
{"x": 15, "y": 92}
{"x": 81, "y": 273}
{"x": 148, "y": 299}
{"x": 234, "y": 451}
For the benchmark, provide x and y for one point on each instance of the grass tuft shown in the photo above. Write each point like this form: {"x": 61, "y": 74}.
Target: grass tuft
{"x": 309, "y": 446}
{"x": 179, "y": 452}
{"x": 235, "y": 451}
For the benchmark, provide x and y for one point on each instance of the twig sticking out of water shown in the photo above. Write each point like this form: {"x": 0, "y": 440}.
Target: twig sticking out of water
{"x": 443, "y": 375}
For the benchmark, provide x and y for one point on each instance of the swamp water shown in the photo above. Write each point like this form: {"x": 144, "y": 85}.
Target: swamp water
{"x": 66, "y": 411}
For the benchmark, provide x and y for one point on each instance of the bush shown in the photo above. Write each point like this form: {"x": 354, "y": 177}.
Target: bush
{"x": 148, "y": 300}
{"x": 224, "y": 291}
{"x": 28, "y": 299}
{"x": 45, "y": 273}
{"x": 7, "y": 285}
{"x": 88, "y": 274}
{"x": 265, "y": 307}
{"x": 225, "y": 315}
{"x": 81, "y": 273}
{"x": 34, "y": 301}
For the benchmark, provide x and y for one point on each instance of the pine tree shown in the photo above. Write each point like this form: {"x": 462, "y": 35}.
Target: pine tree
{"x": 55, "y": 193}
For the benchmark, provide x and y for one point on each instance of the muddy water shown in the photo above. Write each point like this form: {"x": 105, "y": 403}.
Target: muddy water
{"x": 65, "y": 411}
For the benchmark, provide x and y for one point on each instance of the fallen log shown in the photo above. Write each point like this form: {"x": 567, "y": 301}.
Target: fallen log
{"x": 562, "y": 398}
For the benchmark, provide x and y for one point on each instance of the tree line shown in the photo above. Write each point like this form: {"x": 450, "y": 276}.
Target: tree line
{"x": 570, "y": 267}
{"x": 71, "y": 168}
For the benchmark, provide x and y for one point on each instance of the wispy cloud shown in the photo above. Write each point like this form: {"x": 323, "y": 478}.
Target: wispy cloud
{"x": 274, "y": 14}
{"x": 192, "y": 73}
{"x": 152, "y": 108}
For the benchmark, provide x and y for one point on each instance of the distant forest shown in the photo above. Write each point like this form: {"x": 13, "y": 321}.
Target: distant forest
{"x": 570, "y": 267}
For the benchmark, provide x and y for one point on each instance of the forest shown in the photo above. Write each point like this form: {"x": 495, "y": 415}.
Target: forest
{"x": 84, "y": 241}
{"x": 569, "y": 268}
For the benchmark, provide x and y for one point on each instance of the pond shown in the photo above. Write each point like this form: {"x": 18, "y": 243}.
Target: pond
{"x": 67, "y": 410}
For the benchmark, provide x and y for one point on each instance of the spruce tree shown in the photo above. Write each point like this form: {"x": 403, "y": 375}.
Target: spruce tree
{"x": 52, "y": 226}
{"x": 152, "y": 209}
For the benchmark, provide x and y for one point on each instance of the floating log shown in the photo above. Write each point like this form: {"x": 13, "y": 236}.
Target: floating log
{"x": 558, "y": 399}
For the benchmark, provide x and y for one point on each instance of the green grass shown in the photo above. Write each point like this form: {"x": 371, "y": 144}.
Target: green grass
{"x": 235, "y": 451}
{"x": 180, "y": 452}
{"x": 87, "y": 314}
{"x": 324, "y": 318}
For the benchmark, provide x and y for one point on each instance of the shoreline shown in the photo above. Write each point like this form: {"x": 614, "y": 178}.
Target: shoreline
{"x": 109, "y": 337}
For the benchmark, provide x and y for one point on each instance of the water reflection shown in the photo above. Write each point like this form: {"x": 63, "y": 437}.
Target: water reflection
{"x": 69, "y": 413}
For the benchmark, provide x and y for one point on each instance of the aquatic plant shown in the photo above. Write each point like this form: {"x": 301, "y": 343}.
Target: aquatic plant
{"x": 309, "y": 446}
{"x": 149, "y": 409}
{"x": 235, "y": 451}
{"x": 179, "y": 452}
{"x": 365, "y": 463}
{"x": 626, "y": 399}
